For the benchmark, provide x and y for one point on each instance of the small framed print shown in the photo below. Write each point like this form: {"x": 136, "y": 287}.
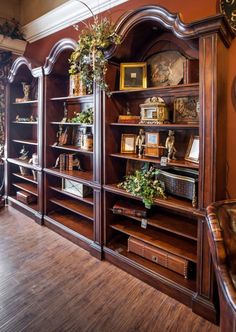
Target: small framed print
{"x": 186, "y": 110}
{"x": 128, "y": 143}
{"x": 192, "y": 153}
{"x": 133, "y": 75}
{"x": 152, "y": 146}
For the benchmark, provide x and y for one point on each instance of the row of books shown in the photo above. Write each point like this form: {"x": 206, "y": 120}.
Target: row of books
{"x": 66, "y": 161}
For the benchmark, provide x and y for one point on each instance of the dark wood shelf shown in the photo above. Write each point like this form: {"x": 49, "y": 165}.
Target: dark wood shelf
{"x": 87, "y": 199}
{"x": 160, "y": 126}
{"x": 25, "y": 177}
{"x": 32, "y": 207}
{"x": 72, "y": 205}
{"x": 82, "y": 177}
{"x": 173, "y": 203}
{"x": 30, "y": 188}
{"x": 25, "y": 122}
{"x": 71, "y": 124}
{"x": 19, "y": 162}
{"x": 26, "y": 102}
{"x": 26, "y": 141}
{"x": 179, "y": 163}
{"x": 118, "y": 249}
{"x": 164, "y": 91}
{"x": 75, "y": 223}
{"x": 71, "y": 148}
{"x": 173, "y": 244}
{"x": 179, "y": 225}
{"x": 76, "y": 99}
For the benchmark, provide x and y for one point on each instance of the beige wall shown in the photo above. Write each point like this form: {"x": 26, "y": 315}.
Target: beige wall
{"x": 10, "y": 9}
{"x": 30, "y": 10}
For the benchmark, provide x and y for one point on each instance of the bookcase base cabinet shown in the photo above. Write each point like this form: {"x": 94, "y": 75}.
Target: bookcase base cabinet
{"x": 36, "y": 216}
{"x": 199, "y": 305}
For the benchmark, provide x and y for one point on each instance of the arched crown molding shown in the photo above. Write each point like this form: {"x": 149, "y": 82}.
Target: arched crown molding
{"x": 173, "y": 22}
{"x": 35, "y": 70}
{"x": 61, "y": 46}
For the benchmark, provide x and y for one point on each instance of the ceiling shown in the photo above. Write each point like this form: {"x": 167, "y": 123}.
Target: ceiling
{"x": 26, "y": 11}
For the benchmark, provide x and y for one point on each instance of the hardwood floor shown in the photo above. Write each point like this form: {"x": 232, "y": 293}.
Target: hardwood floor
{"x": 49, "y": 284}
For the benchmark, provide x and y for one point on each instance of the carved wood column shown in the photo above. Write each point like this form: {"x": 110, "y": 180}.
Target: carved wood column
{"x": 212, "y": 186}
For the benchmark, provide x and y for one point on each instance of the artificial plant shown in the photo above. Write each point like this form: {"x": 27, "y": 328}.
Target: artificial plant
{"x": 89, "y": 60}
{"x": 143, "y": 184}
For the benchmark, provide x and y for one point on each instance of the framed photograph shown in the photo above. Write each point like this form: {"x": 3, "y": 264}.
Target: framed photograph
{"x": 152, "y": 146}
{"x": 186, "y": 110}
{"x": 133, "y": 75}
{"x": 128, "y": 143}
{"x": 192, "y": 153}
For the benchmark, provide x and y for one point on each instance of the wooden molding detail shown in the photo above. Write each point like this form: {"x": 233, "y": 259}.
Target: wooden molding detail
{"x": 36, "y": 70}
{"x": 58, "y": 48}
{"x": 173, "y": 22}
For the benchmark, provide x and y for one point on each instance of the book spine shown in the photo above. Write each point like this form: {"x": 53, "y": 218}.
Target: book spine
{"x": 70, "y": 162}
{"x": 130, "y": 212}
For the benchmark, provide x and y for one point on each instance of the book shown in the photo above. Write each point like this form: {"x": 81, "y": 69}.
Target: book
{"x": 161, "y": 257}
{"x": 128, "y": 119}
{"x": 126, "y": 208}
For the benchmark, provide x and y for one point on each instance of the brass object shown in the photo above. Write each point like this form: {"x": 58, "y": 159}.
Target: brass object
{"x": 154, "y": 111}
{"x": 170, "y": 145}
{"x": 140, "y": 142}
{"x": 26, "y": 90}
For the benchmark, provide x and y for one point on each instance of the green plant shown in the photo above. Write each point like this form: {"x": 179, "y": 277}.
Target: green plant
{"x": 11, "y": 29}
{"x": 89, "y": 58}
{"x": 86, "y": 116}
{"x": 144, "y": 185}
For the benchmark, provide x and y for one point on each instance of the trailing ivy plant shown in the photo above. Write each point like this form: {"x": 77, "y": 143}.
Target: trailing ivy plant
{"x": 144, "y": 184}
{"x": 89, "y": 60}
{"x": 86, "y": 116}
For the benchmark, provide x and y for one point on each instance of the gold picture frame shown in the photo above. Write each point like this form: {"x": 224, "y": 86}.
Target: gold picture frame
{"x": 192, "y": 153}
{"x": 128, "y": 143}
{"x": 133, "y": 75}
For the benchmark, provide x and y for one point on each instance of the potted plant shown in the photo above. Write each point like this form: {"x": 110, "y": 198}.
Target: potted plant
{"x": 143, "y": 184}
{"x": 89, "y": 60}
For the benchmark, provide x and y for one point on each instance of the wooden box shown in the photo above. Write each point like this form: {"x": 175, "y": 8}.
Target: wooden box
{"x": 25, "y": 197}
{"x": 126, "y": 208}
{"x": 76, "y": 188}
{"x": 159, "y": 256}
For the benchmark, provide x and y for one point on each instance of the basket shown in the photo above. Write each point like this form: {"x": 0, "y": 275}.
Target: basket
{"x": 179, "y": 182}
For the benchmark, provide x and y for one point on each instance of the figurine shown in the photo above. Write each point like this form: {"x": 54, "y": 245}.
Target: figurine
{"x": 65, "y": 117}
{"x": 26, "y": 90}
{"x": 140, "y": 142}
{"x": 170, "y": 145}
{"x": 77, "y": 164}
{"x": 23, "y": 154}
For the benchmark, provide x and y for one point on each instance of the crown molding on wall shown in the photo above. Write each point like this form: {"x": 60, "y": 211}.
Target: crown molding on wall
{"x": 64, "y": 16}
{"x": 15, "y": 46}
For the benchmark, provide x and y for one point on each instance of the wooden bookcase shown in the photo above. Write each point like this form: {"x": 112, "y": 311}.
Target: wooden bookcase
{"x": 173, "y": 224}
{"x": 75, "y": 217}
{"x": 24, "y": 128}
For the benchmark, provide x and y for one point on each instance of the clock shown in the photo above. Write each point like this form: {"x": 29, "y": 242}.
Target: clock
{"x": 228, "y": 8}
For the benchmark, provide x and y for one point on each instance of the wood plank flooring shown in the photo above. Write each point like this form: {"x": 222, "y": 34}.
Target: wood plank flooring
{"x": 49, "y": 284}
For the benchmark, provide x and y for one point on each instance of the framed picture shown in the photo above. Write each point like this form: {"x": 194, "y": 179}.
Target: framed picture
{"x": 133, "y": 75}
{"x": 166, "y": 68}
{"x": 186, "y": 110}
{"x": 152, "y": 146}
{"x": 128, "y": 143}
{"x": 192, "y": 153}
